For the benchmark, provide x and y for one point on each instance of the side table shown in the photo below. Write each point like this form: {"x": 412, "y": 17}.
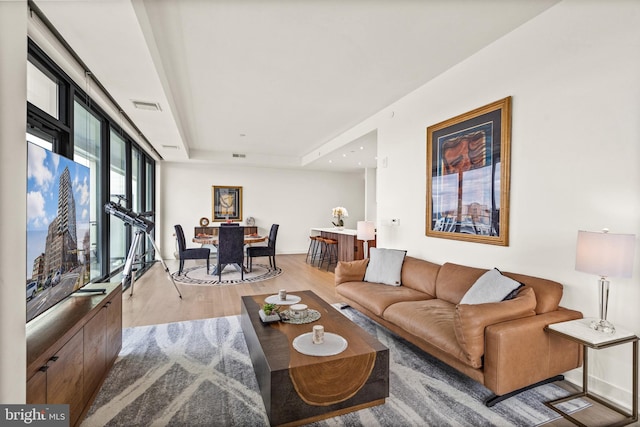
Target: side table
{"x": 579, "y": 331}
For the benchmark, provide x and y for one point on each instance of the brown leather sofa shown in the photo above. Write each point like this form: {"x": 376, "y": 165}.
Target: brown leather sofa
{"x": 502, "y": 345}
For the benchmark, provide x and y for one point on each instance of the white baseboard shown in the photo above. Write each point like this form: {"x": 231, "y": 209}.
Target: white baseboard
{"x": 611, "y": 392}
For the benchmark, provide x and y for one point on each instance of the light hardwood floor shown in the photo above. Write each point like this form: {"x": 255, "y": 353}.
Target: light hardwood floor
{"x": 155, "y": 301}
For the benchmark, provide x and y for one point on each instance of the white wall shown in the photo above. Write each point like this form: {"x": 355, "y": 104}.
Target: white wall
{"x": 13, "y": 201}
{"x": 371, "y": 203}
{"x": 297, "y": 200}
{"x": 573, "y": 73}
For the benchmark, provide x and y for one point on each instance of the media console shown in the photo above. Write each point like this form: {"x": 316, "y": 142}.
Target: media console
{"x": 71, "y": 348}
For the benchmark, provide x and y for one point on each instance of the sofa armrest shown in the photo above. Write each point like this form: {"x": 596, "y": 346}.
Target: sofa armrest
{"x": 470, "y": 321}
{"x": 350, "y": 271}
{"x": 520, "y": 352}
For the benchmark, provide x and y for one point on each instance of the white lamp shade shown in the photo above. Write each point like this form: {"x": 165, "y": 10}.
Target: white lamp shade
{"x": 605, "y": 254}
{"x": 366, "y": 230}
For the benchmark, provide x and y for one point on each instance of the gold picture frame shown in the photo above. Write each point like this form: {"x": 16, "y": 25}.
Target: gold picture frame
{"x": 468, "y": 174}
{"x": 226, "y": 203}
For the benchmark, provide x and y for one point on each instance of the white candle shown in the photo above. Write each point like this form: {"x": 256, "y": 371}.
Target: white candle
{"x": 318, "y": 334}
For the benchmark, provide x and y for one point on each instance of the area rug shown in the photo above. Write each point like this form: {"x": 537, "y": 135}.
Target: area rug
{"x": 199, "y": 373}
{"x": 230, "y": 275}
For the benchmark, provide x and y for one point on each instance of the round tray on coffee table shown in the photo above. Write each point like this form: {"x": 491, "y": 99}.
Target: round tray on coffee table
{"x": 275, "y": 299}
{"x": 333, "y": 344}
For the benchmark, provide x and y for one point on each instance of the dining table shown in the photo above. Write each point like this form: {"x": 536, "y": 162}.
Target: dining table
{"x": 206, "y": 239}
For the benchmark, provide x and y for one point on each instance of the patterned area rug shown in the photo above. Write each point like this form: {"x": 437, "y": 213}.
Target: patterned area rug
{"x": 230, "y": 275}
{"x": 199, "y": 373}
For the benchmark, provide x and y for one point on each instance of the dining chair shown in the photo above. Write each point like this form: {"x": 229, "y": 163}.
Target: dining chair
{"x": 261, "y": 251}
{"x": 189, "y": 253}
{"x": 230, "y": 249}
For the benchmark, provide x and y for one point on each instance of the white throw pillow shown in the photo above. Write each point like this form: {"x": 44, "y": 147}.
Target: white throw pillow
{"x": 385, "y": 266}
{"x": 492, "y": 286}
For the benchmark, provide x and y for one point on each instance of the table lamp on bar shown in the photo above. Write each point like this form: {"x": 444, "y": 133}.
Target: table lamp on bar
{"x": 607, "y": 255}
{"x": 366, "y": 231}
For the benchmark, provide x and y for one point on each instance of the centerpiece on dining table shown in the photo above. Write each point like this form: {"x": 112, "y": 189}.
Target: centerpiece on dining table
{"x": 339, "y": 213}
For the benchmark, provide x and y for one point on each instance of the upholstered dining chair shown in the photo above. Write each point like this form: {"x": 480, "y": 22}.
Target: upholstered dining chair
{"x": 189, "y": 253}
{"x": 262, "y": 251}
{"x": 230, "y": 249}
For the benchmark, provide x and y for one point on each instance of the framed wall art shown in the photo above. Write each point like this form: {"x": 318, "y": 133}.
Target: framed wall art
{"x": 468, "y": 172}
{"x": 227, "y": 203}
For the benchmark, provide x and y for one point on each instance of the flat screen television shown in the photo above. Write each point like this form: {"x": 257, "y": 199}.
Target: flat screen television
{"x": 58, "y": 242}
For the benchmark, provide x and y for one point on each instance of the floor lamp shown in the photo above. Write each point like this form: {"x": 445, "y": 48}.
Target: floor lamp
{"x": 606, "y": 255}
{"x": 366, "y": 231}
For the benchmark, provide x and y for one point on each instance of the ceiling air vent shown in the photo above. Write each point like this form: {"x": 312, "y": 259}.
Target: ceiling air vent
{"x": 143, "y": 105}
{"x": 239, "y": 156}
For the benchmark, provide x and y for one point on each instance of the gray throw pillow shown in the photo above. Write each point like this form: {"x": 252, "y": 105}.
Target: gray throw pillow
{"x": 385, "y": 266}
{"x": 492, "y": 286}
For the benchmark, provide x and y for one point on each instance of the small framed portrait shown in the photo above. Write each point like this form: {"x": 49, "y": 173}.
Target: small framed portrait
{"x": 226, "y": 203}
{"x": 468, "y": 172}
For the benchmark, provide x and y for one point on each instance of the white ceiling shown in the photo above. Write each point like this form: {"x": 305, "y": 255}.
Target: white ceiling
{"x": 274, "y": 80}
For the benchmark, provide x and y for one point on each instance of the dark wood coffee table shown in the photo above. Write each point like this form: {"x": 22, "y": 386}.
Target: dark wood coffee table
{"x": 299, "y": 389}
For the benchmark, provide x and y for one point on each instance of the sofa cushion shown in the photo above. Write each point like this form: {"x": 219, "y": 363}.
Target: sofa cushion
{"x": 548, "y": 293}
{"x": 350, "y": 271}
{"x": 385, "y": 266}
{"x": 420, "y": 275}
{"x": 454, "y": 280}
{"x": 376, "y": 297}
{"x": 492, "y": 286}
{"x": 431, "y": 321}
{"x": 470, "y": 321}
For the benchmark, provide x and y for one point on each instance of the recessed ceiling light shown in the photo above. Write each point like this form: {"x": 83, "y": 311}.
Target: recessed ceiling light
{"x": 344, "y": 155}
{"x": 144, "y": 105}
{"x": 361, "y": 147}
{"x": 330, "y": 161}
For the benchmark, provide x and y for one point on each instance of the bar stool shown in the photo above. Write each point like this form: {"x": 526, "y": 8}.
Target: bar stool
{"x": 330, "y": 252}
{"x": 320, "y": 251}
{"x": 314, "y": 249}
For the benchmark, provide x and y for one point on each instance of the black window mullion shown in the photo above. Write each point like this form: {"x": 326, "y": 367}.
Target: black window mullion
{"x": 128, "y": 184}
{"x": 105, "y": 191}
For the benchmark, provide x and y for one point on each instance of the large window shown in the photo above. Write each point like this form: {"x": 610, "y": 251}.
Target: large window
{"x": 137, "y": 191}
{"x": 136, "y": 181}
{"x": 42, "y": 91}
{"x": 118, "y": 190}
{"x": 149, "y": 199}
{"x": 87, "y": 142}
{"x": 62, "y": 118}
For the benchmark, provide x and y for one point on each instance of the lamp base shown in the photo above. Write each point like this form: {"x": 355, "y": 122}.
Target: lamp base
{"x": 603, "y": 326}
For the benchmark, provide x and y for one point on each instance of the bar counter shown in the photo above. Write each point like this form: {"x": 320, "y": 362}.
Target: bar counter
{"x": 349, "y": 248}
